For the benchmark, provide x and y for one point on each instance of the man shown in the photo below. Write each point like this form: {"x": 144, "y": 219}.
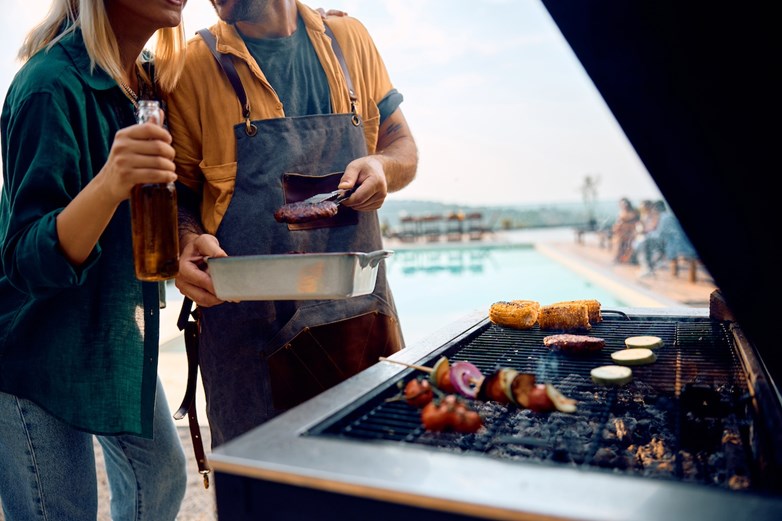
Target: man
{"x": 292, "y": 120}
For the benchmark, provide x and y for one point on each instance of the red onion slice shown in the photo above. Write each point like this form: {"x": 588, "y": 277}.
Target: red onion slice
{"x": 466, "y": 378}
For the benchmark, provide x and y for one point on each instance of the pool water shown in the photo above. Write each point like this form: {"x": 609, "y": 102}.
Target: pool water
{"x": 435, "y": 287}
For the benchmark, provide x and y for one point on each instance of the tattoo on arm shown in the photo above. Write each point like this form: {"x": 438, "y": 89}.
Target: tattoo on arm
{"x": 393, "y": 129}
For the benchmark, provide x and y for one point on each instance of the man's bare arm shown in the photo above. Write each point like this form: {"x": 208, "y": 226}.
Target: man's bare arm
{"x": 397, "y": 151}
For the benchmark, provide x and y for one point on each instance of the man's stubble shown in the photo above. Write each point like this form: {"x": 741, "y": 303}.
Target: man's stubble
{"x": 232, "y": 11}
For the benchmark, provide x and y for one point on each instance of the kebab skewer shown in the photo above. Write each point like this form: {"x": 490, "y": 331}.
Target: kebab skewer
{"x": 505, "y": 385}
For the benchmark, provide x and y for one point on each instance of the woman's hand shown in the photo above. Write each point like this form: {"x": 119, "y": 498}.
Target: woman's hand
{"x": 140, "y": 154}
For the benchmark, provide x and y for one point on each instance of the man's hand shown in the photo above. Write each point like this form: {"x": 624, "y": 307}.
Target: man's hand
{"x": 193, "y": 280}
{"x": 368, "y": 175}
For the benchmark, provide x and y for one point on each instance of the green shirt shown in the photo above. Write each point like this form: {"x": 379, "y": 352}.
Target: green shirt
{"x": 81, "y": 342}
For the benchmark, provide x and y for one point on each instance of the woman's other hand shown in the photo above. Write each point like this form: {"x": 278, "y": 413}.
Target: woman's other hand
{"x": 193, "y": 279}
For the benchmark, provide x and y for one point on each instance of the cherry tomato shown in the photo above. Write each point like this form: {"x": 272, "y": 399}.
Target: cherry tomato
{"x": 434, "y": 417}
{"x": 467, "y": 421}
{"x": 444, "y": 383}
{"x": 418, "y": 392}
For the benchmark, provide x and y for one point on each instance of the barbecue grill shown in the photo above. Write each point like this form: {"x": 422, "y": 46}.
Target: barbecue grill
{"x": 697, "y": 435}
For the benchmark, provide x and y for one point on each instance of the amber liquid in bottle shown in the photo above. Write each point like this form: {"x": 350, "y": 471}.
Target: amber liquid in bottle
{"x": 153, "y": 215}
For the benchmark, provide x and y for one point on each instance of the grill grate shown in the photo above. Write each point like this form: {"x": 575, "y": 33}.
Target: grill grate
{"x": 684, "y": 417}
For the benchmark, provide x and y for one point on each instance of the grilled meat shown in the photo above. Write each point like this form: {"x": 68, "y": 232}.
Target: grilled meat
{"x": 301, "y": 212}
{"x": 575, "y": 344}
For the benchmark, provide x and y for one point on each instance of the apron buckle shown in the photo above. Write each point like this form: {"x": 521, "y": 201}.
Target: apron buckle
{"x": 249, "y": 128}
{"x": 355, "y": 119}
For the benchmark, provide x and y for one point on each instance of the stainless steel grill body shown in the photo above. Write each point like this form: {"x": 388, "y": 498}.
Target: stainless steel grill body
{"x": 350, "y": 451}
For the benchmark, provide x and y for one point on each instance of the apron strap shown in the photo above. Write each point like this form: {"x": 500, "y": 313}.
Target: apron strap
{"x": 188, "y": 407}
{"x": 341, "y": 59}
{"x": 227, "y": 64}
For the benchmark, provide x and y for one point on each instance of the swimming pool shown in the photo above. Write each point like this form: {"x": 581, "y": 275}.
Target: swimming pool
{"x": 436, "y": 287}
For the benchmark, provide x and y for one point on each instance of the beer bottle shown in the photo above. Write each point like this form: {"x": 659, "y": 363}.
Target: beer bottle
{"x": 153, "y": 215}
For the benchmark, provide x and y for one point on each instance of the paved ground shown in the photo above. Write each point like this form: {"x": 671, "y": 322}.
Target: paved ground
{"x": 597, "y": 262}
{"x": 198, "y": 504}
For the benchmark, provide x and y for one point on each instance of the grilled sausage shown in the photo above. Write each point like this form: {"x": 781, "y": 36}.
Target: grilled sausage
{"x": 301, "y": 212}
{"x": 575, "y": 344}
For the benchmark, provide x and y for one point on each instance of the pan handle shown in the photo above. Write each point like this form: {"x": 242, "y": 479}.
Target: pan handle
{"x": 372, "y": 259}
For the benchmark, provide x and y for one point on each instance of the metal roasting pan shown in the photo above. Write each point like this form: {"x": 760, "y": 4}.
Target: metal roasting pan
{"x": 296, "y": 276}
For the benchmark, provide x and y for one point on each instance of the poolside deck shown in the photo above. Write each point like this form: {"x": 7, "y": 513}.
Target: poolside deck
{"x": 670, "y": 289}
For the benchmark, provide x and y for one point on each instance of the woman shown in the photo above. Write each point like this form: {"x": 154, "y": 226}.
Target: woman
{"x": 624, "y": 231}
{"x": 78, "y": 331}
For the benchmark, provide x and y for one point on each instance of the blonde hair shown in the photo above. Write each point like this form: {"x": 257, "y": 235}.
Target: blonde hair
{"x": 65, "y": 16}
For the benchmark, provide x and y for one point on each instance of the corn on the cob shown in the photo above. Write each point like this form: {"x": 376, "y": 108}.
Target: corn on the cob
{"x": 593, "y": 308}
{"x": 564, "y": 317}
{"x": 515, "y": 314}
{"x": 533, "y": 303}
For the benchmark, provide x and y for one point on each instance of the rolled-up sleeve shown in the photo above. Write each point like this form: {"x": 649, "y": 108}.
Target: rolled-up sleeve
{"x": 42, "y": 175}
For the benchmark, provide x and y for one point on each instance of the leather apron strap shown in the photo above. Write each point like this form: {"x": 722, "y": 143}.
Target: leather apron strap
{"x": 229, "y": 69}
{"x": 190, "y": 329}
{"x": 341, "y": 59}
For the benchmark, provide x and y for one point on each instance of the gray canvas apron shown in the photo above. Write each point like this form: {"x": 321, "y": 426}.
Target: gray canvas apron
{"x": 261, "y": 358}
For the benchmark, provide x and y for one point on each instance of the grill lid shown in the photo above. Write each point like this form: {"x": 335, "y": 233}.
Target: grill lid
{"x": 691, "y": 85}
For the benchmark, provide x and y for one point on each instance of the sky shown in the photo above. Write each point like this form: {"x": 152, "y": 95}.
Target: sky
{"x": 500, "y": 108}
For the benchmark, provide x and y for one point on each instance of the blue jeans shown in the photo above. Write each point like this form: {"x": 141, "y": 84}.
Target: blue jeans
{"x": 47, "y": 468}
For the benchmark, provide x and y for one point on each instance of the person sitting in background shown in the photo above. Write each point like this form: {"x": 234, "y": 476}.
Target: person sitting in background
{"x": 648, "y": 248}
{"x": 673, "y": 241}
{"x": 623, "y": 231}
{"x": 666, "y": 241}
{"x": 647, "y": 218}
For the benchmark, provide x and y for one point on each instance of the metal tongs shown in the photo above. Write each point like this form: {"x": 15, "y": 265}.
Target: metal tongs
{"x": 337, "y": 196}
